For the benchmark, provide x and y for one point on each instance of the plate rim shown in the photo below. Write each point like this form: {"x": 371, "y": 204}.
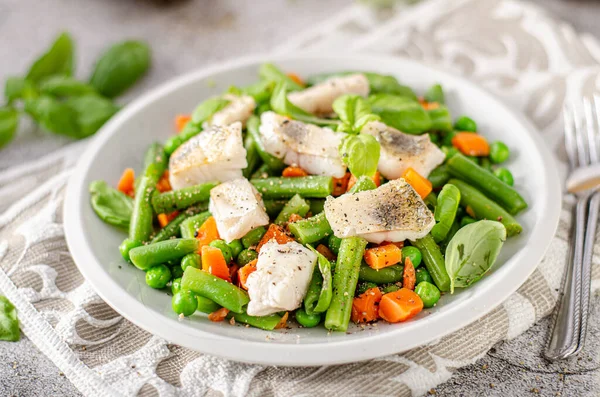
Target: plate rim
{"x": 333, "y": 352}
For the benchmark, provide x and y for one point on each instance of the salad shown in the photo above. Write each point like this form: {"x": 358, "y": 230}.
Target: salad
{"x": 336, "y": 198}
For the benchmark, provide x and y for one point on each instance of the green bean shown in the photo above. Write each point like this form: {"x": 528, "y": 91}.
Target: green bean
{"x": 150, "y": 255}
{"x": 173, "y": 229}
{"x": 252, "y": 156}
{"x": 345, "y": 279}
{"x": 439, "y": 176}
{"x": 252, "y": 238}
{"x": 390, "y": 288}
{"x": 312, "y": 229}
{"x": 267, "y": 323}
{"x": 316, "y": 206}
{"x": 296, "y": 205}
{"x": 205, "y": 305}
{"x": 189, "y": 131}
{"x": 274, "y": 207}
{"x": 449, "y": 151}
{"x": 155, "y": 162}
{"x": 319, "y": 293}
{"x": 218, "y": 290}
{"x": 466, "y": 220}
{"x": 362, "y": 183}
{"x": 189, "y": 227}
{"x": 307, "y": 320}
{"x": 126, "y": 246}
{"x": 434, "y": 261}
{"x": 263, "y": 172}
{"x": 167, "y": 202}
{"x": 141, "y": 225}
{"x": 431, "y": 201}
{"x": 390, "y": 274}
{"x": 334, "y": 244}
{"x": 484, "y": 180}
{"x": 362, "y": 287}
{"x": 485, "y": 163}
{"x": 305, "y": 186}
{"x": 271, "y": 161}
{"x": 445, "y": 212}
{"x": 483, "y": 208}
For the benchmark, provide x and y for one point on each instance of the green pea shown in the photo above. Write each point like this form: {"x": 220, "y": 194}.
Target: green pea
{"x": 236, "y": 247}
{"x": 449, "y": 151}
{"x": 184, "y": 302}
{"x": 390, "y": 288}
{"x": 176, "y": 285}
{"x": 307, "y": 320}
{"x": 423, "y": 275}
{"x": 176, "y": 271}
{"x": 225, "y": 250}
{"x": 193, "y": 260}
{"x": 499, "y": 152}
{"x": 158, "y": 276}
{"x": 246, "y": 256}
{"x": 465, "y": 123}
{"x": 466, "y": 220}
{"x": 126, "y": 246}
{"x": 363, "y": 287}
{"x": 428, "y": 293}
{"x": 413, "y": 253}
{"x": 505, "y": 176}
{"x": 334, "y": 244}
{"x": 252, "y": 238}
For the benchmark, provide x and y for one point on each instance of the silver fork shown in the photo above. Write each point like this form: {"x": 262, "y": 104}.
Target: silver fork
{"x": 582, "y": 137}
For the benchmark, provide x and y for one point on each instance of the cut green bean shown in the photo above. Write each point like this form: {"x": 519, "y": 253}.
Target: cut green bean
{"x": 173, "y": 228}
{"x": 205, "y": 305}
{"x": 316, "y": 206}
{"x": 190, "y": 226}
{"x": 218, "y": 290}
{"x": 268, "y": 323}
{"x": 252, "y": 156}
{"x": 439, "y": 176}
{"x": 434, "y": 261}
{"x": 296, "y": 205}
{"x": 334, "y": 243}
{"x": 150, "y": 255}
{"x": 141, "y": 225}
{"x": 167, "y": 202}
{"x": 312, "y": 229}
{"x": 462, "y": 168}
{"x": 305, "y": 186}
{"x": 252, "y": 238}
{"x": 481, "y": 207}
{"x": 390, "y": 274}
{"x": 319, "y": 293}
{"x": 274, "y": 207}
{"x": 189, "y": 131}
{"x": 272, "y": 162}
{"x": 263, "y": 172}
{"x": 155, "y": 162}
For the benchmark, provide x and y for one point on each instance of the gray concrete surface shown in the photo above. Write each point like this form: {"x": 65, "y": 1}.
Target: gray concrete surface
{"x": 205, "y": 31}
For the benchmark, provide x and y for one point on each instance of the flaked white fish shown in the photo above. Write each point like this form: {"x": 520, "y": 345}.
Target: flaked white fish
{"x": 237, "y": 208}
{"x": 319, "y": 98}
{"x": 216, "y": 154}
{"x": 400, "y": 151}
{"x": 239, "y": 108}
{"x": 280, "y": 282}
{"x": 392, "y": 212}
{"x": 308, "y": 146}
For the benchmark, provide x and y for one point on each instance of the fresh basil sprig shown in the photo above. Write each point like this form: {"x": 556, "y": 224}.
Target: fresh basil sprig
{"x": 354, "y": 111}
{"x": 59, "y": 60}
{"x": 361, "y": 154}
{"x": 9, "y": 323}
{"x": 111, "y": 205}
{"x": 9, "y": 120}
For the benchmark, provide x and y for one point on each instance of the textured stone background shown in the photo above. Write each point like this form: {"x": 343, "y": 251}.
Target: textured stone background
{"x": 189, "y": 34}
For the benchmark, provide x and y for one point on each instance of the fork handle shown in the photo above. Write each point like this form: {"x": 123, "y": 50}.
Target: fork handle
{"x": 564, "y": 339}
{"x": 586, "y": 273}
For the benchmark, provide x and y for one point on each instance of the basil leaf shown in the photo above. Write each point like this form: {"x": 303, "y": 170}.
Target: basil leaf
{"x": 120, "y": 67}
{"x": 53, "y": 115}
{"x": 111, "y": 205}
{"x": 441, "y": 120}
{"x": 9, "y": 323}
{"x": 401, "y": 113}
{"x": 319, "y": 293}
{"x": 361, "y": 154}
{"x": 261, "y": 91}
{"x": 206, "y": 109}
{"x": 435, "y": 93}
{"x": 58, "y": 60}
{"x": 272, "y": 73}
{"x": 62, "y": 86}
{"x": 354, "y": 111}
{"x": 92, "y": 111}
{"x": 280, "y": 104}
{"x": 9, "y": 120}
{"x": 18, "y": 88}
{"x": 472, "y": 252}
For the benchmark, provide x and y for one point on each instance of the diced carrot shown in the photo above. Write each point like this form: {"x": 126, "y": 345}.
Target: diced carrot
{"x": 376, "y": 179}
{"x": 126, "y": 182}
{"x": 326, "y": 252}
{"x": 207, "y": 232}
{"x": 181, "y": 120}
{"x": 294, "y": 218}
{"x": 340, "y": 185}
{"x": 409, "y": 277}
{"x": 471, "y": 144}
{"x": 400, "y": 305}
{"x": 365, "y": 308}
{"x": 383, "y": 256}
{"x": 296, "y": 78}
{"x": 245, "y": 271}
{"x": 218, "y": 315}
{"x": 421, "y": 185}
{"x": 163, "y": 220}
{"x": 164, "y": 185}
{"x": 283, "y": 322}
{"x": 275, "y": 232}
{"x": 292, "y": 172}
{"x": 214, "y": 262}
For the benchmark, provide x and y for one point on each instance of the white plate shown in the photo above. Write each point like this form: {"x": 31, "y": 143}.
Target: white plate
{"x": 121, "y": 143}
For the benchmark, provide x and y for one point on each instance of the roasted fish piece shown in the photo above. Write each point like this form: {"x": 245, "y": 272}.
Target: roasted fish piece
{"x": 308, "y": 146}
{"x": 216, "y": 154}
{"x": 400, "y": 151}
{"x": 392, "y": 212}
{"x": 240, "y": 108}
{"x": 319, "y": 98}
